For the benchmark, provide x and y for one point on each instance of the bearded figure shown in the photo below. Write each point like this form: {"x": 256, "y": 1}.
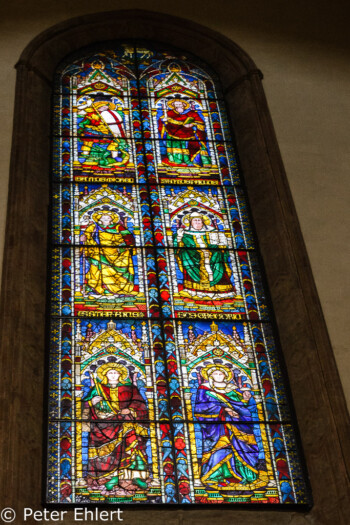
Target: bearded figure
{"x": 183, "y": 131}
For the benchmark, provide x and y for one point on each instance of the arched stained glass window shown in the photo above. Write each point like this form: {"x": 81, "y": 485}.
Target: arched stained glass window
{"x": 165, "y": 386}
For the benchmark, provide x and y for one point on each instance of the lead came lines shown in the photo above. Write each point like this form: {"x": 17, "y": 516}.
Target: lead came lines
{"x": 143, "y": 256}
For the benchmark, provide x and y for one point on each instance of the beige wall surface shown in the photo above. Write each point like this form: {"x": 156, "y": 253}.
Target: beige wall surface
{"x": 302, "y": 49}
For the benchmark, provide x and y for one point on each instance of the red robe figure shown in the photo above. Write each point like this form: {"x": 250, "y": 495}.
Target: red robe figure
{"x": 117, "y": 423}
{"x": 183, "y": 131}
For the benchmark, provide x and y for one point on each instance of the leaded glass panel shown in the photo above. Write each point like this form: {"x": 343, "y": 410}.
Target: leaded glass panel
{"x": 165, "y": 384}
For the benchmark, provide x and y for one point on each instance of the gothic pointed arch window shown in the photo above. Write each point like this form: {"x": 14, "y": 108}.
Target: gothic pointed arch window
{"x": 165, "y": 383}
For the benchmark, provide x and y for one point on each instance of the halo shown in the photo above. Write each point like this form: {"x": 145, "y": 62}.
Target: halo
{"x": 208, "y": 370}
{"x": 188, "y": 218}
{"x": 101, "y": 103}
{"x": 172, "y": 102}
{"x": 97, "y": 215}
{"x": 102, "y": 371}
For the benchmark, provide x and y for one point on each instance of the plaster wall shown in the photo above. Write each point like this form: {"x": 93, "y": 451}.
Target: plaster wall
{"x": 302, "y": 50}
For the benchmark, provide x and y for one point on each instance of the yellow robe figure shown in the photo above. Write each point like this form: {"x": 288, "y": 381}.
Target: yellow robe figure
{"x": 108, "y": 255}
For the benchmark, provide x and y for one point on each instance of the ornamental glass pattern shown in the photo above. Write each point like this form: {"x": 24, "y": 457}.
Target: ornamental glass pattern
{"x": 165, "y": 384}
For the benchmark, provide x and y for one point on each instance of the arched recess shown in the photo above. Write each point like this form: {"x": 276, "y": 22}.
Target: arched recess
{"x": 315, "y": 385}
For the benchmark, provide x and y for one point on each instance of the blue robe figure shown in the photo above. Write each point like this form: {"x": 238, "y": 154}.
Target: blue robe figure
{"x": 230, "y": 451}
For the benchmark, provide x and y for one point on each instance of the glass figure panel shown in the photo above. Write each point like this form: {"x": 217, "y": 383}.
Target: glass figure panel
{"x": 94, "y": 119}
{"x": 207, "y": 283}
{"x": 164, "y": 385}
{"x": 220, "y": 168}
{"x": 187, "y": 117}
{"x": 243, "y": 462}
{"x": 115, "y": 440}
{"x": 97, "y": 214}
{"x": 88, "y": 468}
{"x": 112, "y": 279}
{"x": 236, "y": 353}
{"x": 103, "y": 280}
{"x": 219, "y": 214}
{"x": 184, "y": 122}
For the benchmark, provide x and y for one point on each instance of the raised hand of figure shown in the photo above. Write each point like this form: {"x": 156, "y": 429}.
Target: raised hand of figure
{"x": 83, "y": 238}
{"x": 231, "y": 412}
{"x": 190, "y": 125}
{"x": 125, "y": 412}
{"x": 180, "y": 233}
{"x": 96, "y": 399}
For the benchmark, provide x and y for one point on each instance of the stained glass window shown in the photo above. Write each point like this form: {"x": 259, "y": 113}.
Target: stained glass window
{"x": 165, "y": 384}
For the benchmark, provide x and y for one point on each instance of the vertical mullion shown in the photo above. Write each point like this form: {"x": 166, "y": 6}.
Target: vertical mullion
{"x": 157, "y": 274}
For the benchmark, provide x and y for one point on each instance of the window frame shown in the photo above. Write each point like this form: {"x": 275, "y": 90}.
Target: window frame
{"x": 281, "y": 387}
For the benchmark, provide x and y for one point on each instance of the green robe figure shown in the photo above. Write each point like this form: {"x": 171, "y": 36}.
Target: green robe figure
{"x": 205, "y": 262}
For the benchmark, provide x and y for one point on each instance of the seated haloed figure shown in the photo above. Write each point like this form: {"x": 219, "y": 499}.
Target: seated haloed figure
{"x": 115, "y": 416}
{"x": 107, "y": 257}
{"x": 205, "y": 261}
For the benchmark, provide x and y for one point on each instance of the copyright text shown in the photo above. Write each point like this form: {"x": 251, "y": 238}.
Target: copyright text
{"x": 79, "y": 514}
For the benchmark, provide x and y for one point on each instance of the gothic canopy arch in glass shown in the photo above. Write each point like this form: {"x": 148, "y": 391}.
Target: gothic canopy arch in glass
{"x": 164, "y": 380}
